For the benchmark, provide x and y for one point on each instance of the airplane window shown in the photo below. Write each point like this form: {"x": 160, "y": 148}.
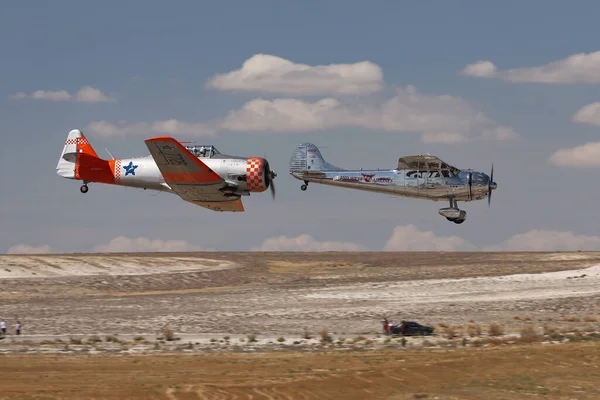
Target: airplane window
{"x": 446, "y": 173}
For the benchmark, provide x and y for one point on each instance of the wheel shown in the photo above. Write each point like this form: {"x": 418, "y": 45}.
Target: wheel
{"x": 451, "y": 219}
{"x": 459, "y": 221}
{"x": 83, "y": 189}
{"x": 304, "y": 187}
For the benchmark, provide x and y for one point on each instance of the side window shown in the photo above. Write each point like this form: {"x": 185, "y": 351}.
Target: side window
{"x": 446, "y": 173}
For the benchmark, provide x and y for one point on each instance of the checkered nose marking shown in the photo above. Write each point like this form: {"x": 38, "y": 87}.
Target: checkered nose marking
{"x": 255, "y": 178}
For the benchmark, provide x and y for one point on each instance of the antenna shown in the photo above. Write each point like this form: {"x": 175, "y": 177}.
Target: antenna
{"x": 111, "y": 156}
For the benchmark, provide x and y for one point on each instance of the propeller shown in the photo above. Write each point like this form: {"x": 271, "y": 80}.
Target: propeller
{"x": 470, "y": 185}
{"x": 491, "y": 185}
{"x": 269, "y": 179}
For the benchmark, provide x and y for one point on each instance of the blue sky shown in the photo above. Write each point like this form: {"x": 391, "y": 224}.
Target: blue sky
{"x": 154, "y": 59}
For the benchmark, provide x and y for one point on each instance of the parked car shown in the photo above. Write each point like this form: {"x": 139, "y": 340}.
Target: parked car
{"x": 410, "y": 328}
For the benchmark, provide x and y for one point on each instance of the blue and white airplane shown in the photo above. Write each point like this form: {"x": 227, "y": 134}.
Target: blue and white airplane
{"x": 419, "y": 176}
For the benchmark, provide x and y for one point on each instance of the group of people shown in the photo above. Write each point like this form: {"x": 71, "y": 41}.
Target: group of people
{"x": 18, "y": 327}
{"x": 388, "y": 326}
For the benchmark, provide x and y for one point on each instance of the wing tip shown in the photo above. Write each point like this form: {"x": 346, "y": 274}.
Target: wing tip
{"x": 161, "y": 138}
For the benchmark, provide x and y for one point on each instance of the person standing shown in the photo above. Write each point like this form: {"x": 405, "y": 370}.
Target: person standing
{"x": 3, "y": 327}
{"x": 18, "y": 328}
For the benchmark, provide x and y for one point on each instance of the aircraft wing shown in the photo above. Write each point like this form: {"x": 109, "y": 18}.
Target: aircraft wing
{"x": 189, "y": 177}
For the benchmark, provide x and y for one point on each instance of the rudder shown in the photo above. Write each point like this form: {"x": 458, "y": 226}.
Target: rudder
{"x": 307, "y": 157}
{"x": 75, "y": 145}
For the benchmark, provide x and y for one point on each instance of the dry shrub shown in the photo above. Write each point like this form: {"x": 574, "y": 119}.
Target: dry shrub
{"x": 427, "y": 343}
{"x": 552, "y": 333}
{"x": 590, "y": 319}
{"x": 442, "y": 325}
{"x": 495, "y": 330}
{"x": 111, "y": 338}
{"x": 474, "y": 330}
{"x": 450, "y": 333}
{"x": 325, "y": 336}
{"x": 168, "y": 334}
{"x": 139, "y": 339}
{"x": 479, "y": 342}
{"x": 251, "y": 338}
{"x": 573, "y": 319}
{"x": 94, "y": 339}
{"x": 529, "y": 335}
{"x": 75, "y": 341}
{"x": 495, "y": 341}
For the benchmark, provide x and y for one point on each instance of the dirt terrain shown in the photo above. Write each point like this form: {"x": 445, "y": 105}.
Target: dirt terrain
{"x": 569, "y": 371}
{"x": 300, "y": 325}
{"x": 282, "y": 293}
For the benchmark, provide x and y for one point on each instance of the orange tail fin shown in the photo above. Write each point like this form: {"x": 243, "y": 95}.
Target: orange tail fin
{"x": 80, "y": 161}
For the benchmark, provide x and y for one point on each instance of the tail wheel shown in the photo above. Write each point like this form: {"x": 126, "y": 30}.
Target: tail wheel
{"x": 83, "y": 189}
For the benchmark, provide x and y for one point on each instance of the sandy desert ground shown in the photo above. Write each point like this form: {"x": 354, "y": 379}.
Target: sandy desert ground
{"x": 89, "y": 311}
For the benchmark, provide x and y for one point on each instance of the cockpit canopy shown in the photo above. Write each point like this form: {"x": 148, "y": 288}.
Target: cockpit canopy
{"x": 203, "y": 151}
{"x": 426, "y": 163}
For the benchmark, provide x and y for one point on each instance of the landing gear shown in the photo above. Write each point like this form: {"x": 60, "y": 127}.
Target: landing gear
{"x": 305, "y": 186}
{"x": 453, "y": 213}
{"x": 83, "y": 188}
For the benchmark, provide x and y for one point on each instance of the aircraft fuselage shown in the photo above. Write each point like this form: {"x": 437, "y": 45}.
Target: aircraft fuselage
{"x": 431, "y": 185}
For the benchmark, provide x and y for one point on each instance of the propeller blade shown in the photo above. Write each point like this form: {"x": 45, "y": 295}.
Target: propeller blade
{"x": 270, "y": 176}
{"x": 273, "y": 189}
{"x": 470, "y": 185}
{"x": 490, "y": 186}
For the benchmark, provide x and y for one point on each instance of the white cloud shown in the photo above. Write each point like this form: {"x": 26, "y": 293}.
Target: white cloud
{"x": 480, "y": 69}
{"x": 171, "y": 127}
{"x": 86, "y": 94}
{"x": 56, "y": 95}
{"x": 439, "y": 118}
{"x": 305, "y": 243}
{"x": 577, "y": 68}
{"x": 89, "y": 94}
{"x": 587, "y": 155}
{"x": 589, "y": 114}
{"x": 270, "y": 74}
{"x": 544, "y": 240}
{"x": 410, "y": 238}
{"x": 19, "y": 95}
{"x": 27, "y": 249}
{"x": 124, "y": 244}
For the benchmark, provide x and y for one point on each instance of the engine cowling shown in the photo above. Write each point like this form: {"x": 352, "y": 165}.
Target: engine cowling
{"x": 258, "y": 174}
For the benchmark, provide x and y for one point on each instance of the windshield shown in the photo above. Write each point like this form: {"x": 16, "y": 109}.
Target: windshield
{"x": 206, "y": 151}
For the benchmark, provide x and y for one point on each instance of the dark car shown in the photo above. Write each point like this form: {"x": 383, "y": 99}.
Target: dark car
{"x": 410, "y": 328}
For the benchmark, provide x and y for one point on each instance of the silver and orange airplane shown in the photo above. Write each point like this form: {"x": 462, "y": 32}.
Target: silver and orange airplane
{"x": 419, "y": 176}
{"x": 198, "y": 174}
